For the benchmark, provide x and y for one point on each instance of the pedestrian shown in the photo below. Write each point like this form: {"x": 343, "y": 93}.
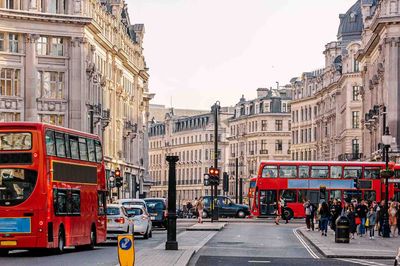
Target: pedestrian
{"x": 362, "y": 211}
{"x": 324, "y": 212}
{"x": 199, "y": 208}
{"x": 398, "y": 218}
{"x": 351, "y": 215}
{"x": 282, "y": 204}
{"x": 313, "y": 215}
{"x": 370, "y": 222}
{"x": 393, "y": 218}
{"x": 335, "y": 210}
{"x": 318, "y": 217}
{"x": 308, "y": 212}
{"x": 380, "y": 217}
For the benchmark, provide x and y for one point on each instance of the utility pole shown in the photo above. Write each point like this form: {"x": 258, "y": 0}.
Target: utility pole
{"x": 216, "y": 110}
{"x": 171, "y": 243}
{"x": 237, "y": 179}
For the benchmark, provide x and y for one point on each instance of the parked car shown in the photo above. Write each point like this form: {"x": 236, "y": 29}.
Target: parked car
{"x": 226, "y": 207}
{"x": 157, "y": 208}
{"x": 397, "y": 259}
{"x": 127, "y": 202}
{"x": 118, "y": 221}
{"x": 141, "y": 219}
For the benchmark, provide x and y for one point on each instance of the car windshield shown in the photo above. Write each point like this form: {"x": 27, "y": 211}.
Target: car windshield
{"x": 133, "y": 211}
{"x": 15, "y": 141}
{"x": 112, "y": 211}
{"x": 155, "y": 205}
{"x": 129, "y": 203}
{"x": 16, "y": 185}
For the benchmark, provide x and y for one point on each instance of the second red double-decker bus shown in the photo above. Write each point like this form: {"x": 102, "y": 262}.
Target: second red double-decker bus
{"x": 52, "y": 188}
{"x": 297, "y": 181}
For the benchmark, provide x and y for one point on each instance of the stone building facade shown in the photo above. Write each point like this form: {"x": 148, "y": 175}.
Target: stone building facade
{"x": 78, "y": 64}
{"x": 192, "y": 139}
{"x": 326, "y": 107}
{"x": 260, "y": 129}
{"x": 379, "y": 60}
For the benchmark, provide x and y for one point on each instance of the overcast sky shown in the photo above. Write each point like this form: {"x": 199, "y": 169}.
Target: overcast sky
{"x": 201, "y": 51}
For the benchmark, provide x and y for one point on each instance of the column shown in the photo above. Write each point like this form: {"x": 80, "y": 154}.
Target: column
{"x": 30, "y": 79}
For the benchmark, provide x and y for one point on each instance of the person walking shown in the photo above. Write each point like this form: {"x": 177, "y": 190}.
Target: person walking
{"x": 351, "y": 215}
{"x": 370, "y": 222}
{"x": 393, "y": 218}
{"x": 325, "y": 213}
{"x": 336, "y": 210}
{"x": 308, "y": 212}
{"x": 362, "y": 211}
{"x": 199, "y": 208}
{"x": 282, "y": 207}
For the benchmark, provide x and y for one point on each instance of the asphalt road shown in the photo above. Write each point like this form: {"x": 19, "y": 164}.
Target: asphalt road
{"x": 105, "y": 254}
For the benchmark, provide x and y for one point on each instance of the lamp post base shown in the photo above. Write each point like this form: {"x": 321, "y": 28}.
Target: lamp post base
{"x": 386, "y": 227}
{"x": 171, "y": 245}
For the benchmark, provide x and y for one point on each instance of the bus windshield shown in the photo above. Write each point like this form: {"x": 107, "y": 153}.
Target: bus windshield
{"x": 16, "y": 185}
{"x": 15, "y": 141}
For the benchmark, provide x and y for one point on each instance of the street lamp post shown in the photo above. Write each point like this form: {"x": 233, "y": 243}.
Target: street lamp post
{"x": 386, "y": 140}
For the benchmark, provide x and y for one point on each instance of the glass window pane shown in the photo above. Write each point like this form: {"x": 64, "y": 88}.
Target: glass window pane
{"x": 335, "y": 194}
{"x": 83, "y": 149}
{"x": 319, "y": 171}
{"x": 73, "y": 143}
{"x": 67, "y": 149}
{"x": 372, "y": 172}
{"x": 289, "y": 195}
{"x": 336, "y": 171}
{"x": 75, "y": 202}
{"x": 50, "y": 143}
{"x": 99, "y": 152}
{"x": 60, "y": 145}
{"x": 304, "y": 171}
{"x": 92, "y": 155}
{"x": 352, "y": 172}
{"x": 288, "y": 171}
{"x": 270, "y": 171}
{"x": 370, "y": 195}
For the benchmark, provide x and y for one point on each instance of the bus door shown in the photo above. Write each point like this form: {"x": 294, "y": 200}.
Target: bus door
{"x": 268, "y": 202}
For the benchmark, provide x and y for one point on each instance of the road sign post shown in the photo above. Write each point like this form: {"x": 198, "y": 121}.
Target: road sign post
{"x": 126, "y": 250}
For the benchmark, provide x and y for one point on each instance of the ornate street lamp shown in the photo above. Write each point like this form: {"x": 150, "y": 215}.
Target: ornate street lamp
{"x": 387, "y": 173}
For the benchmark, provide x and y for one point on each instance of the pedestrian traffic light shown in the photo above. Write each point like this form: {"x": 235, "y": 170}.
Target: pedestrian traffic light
{"x": 225, "y": 182}
{"x": 138, "y": 188}
{"x": 118, "y": 178}
{"x": 356, "y": 183}
{"x": 206, "y": 180}
{"x": 214, "y": 176}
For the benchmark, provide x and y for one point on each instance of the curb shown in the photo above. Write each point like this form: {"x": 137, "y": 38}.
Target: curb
{"x": 209, "y": 227}
{"x": 343, "y": 256}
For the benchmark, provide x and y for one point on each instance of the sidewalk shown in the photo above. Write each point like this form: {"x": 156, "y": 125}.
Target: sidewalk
{"x": 207, "y": 227}
{"x": 188, "y": 244}
{"x": 358, "y": 248}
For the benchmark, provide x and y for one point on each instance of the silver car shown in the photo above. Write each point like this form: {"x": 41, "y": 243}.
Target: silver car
{"x": 141, "y": 219}
{"x": 118, "y": 221}
{"x": 127, "y": 202}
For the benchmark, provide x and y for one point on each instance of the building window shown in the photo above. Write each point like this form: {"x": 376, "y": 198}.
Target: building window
{"x": 13, "y": 43}
{"x": 42, "y": 46}
{"x": 264, "y": 147}
{"x": 51, "y": 85}
{"x": 52, "y": 119}
{"x": 278, "y": 146}
{"x": 57, "y": 6}
{"x": 284, "y": 107}
{"x": 356, "y": 93}
{"x": 264, "y": 125}
{"x": 356, "y": 65}
{"x": 356, "y": 119}
{"x": 2, "y": 48}
{"x": 9, "y": 117}
{"x": 11, "y": 4}
{"x": 278, "y": 125}
{"x": 9, "y": 82}
{"x": 355, "y": 146}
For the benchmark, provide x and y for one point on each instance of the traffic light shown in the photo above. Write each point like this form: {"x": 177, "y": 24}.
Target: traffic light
{"x": 322, "y": 192}
{"x": 207, "y": 180}
{"x": 118, "y": 178}
{"x": 137, "y": 188}
{"x": 225, "y": 182}
{"x": 214, "y": 176}
{"x": 356, "y": 183}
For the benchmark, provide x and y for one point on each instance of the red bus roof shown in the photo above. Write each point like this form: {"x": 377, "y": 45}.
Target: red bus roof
{"x": 322, "y": 163}
{"x": 42, "y": 126}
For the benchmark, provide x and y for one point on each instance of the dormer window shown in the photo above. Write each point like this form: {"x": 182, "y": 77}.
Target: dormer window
{"x": 353, "y": 17}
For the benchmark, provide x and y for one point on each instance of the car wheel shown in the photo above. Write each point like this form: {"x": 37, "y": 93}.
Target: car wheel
{"x": 151, "y": 234}
{"x": 288, "y": 214}
{"x": 205, "y": 214}
{"x": 146, "y": 235}
{"x": 241, "y": 214}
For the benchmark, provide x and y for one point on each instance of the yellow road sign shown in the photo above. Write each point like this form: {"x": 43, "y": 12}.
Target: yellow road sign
{"x": 126, "y": 250}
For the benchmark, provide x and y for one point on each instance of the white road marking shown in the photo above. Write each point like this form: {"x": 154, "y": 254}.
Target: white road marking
{"x": 306, "y": 246}
{"x": 259, "y": 261}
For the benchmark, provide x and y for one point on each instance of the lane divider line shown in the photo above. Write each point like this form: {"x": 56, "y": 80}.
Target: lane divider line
{"x": 305, "y": 245}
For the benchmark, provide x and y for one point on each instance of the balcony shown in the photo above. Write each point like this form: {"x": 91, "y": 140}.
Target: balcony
{"x": 350, "y": 157}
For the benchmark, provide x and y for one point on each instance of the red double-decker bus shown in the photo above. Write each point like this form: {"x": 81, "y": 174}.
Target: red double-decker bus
{"x": 297, "y": 181}
{"x": 252, "y": 190}
{"x": 52, "y": 188}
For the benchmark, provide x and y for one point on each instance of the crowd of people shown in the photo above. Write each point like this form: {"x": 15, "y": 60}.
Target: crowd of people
{"x": 364, "y": 217}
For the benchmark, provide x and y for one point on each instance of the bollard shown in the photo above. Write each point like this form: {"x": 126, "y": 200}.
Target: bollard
{"x": 126, "y": 250}
{"x": 171, "y": 243}
{"x": 342, "y": 233}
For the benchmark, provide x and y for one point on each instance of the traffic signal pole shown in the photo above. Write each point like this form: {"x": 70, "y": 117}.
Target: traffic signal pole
{"x": 215, "y": 200}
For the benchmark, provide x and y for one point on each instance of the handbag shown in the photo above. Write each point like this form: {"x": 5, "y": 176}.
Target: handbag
{"x": 358, "y": 220}
{"x": 367, "y": 223}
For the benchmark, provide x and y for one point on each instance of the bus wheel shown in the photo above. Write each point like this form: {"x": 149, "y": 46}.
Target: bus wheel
{"x": 92, "y": 238}
{"x": 288, "y": 214}
{"x": 61, "y": 242}
{"x": 3, "y": 252}
{"x": 241, "y": 214}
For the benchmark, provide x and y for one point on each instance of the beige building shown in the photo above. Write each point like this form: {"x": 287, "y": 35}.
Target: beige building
{"x": 78, "y": 64}
{"x": 326, "y": 104}
{"x": 192, "y": 139}
{"x": 259, "y": 130}
{"x": 379, "y": 60}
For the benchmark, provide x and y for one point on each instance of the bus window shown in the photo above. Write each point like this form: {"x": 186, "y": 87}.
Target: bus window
{"x": 336, "y": 172}
{"x": 304, "y": 171}
{"x": 289, "y": 195}
{"x": 67, "y": 148}
{"x": 372, "y": 172}
{"x": 16, "y": 185}
{"x": 319, "y": 171}
{"x": 369, "y": 195}
{"x": 335, "y": 194}
{"x": 270, "y": 171}
{"x": 288, "y": 171}
{"x": 83, "y": 149}
{"x": 99, "y": 151}
{"x": 91, "y": 150}
{"x": 73, "y": 143}
{"x": 352, "y": 196}
{"x": 101, "y": 200}
{"x": 50, "y": 145}
{"x": 352, "y": 172}
{"x": 302, "y": 197}
{"x": 15, "y": 141}
{"x": 60, "y": 145}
